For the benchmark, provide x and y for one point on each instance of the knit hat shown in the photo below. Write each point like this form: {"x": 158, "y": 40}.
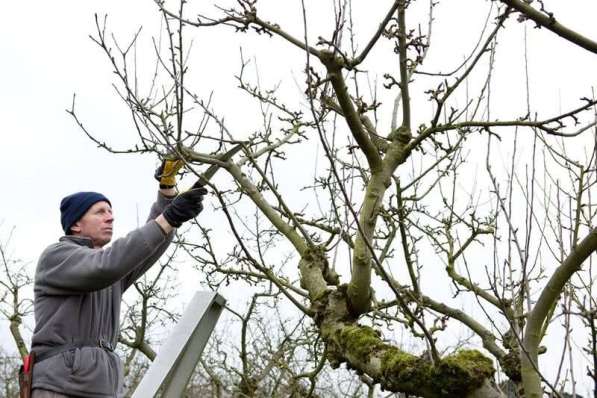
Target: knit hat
{"x": 74, "y": 206}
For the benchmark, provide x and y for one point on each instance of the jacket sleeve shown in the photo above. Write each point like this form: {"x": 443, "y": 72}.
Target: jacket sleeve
{"x": 157, "y": 209}
{"x": 67, "y": 268}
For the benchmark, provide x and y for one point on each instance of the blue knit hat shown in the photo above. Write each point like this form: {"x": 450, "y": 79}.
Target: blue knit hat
{"x": 74, "y": 206}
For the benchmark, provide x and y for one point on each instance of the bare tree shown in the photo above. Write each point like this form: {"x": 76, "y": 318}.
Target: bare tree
{"x": 9, "y": 365}
{"x": 395, "y": 196}
{"x": 15, "y": 304}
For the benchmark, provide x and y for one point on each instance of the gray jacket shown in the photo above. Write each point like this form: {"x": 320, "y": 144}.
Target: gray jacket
{"x": 77, "y": 292}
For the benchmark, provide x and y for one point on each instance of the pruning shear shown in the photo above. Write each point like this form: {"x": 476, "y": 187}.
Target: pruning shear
{"x": 211, "y": 170}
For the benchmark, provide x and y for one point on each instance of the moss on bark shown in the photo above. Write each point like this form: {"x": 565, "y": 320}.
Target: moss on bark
{"x": 454, "y": 376}
{"x": 462, "y": 372}
{"x": 361, "y": 341}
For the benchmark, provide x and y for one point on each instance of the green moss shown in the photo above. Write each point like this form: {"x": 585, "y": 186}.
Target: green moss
{"x": 405, "y": 372}
{"x": 461, "y": 372}
{"x": 360, "y": 341}
{"x": 454, "y": 376}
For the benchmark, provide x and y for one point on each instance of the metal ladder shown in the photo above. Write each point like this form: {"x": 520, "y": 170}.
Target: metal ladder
{"x": 172, "y": 368}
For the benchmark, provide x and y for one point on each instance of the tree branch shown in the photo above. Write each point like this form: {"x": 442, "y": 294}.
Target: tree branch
{"x": 549, "y": 296}
{"x": 548, "y": 21}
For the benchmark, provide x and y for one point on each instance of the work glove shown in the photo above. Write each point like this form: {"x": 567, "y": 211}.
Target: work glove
{"x": 166, "y": 173}
{"x": 185, "y": 206}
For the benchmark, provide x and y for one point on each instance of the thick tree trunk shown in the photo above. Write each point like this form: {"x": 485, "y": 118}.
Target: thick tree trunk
{"x": 15, "y": 323}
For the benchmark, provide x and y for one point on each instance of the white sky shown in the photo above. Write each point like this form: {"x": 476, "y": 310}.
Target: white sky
{"x": 47, "y": 56}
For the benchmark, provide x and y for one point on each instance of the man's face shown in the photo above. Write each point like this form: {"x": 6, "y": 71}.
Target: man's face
{"x": 96, "y": 224}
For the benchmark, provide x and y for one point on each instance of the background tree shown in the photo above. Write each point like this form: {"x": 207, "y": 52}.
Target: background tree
{"x": 15, "y": 302}
{"x": 9, "y": 384}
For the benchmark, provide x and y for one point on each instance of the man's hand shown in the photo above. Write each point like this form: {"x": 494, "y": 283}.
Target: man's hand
{"x": 166, "y": 173}
{"x": 185, "y": 206}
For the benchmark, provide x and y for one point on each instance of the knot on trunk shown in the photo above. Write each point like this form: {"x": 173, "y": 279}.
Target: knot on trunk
{"x": 511, "y": 361}
{"x": 315, "y": 258}
{"x": 511, "y": 365}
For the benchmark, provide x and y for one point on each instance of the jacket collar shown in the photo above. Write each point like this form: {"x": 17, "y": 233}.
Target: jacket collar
{"x": 79, "y": 240}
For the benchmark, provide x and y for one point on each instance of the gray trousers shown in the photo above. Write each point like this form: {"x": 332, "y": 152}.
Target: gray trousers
{"x": 39, "y": 393}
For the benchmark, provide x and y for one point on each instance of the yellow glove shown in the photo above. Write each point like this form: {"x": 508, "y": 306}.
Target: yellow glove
{"x": 166, "y": 173}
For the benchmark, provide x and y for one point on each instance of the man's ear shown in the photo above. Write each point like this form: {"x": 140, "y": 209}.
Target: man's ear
{"x": 75, "y": 228}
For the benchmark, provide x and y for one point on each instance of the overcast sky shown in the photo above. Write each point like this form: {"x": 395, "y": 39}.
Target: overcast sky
{"x": 47, "y": 56}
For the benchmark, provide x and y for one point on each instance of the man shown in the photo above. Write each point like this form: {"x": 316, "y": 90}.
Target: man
{"x": 79, "y": 284}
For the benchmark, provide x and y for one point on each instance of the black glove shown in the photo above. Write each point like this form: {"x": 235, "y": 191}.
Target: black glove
{"x": 185, "y": 206}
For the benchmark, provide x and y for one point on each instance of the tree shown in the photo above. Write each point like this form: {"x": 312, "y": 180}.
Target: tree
{"x": 15, "y": 304}
{"x": 9, "y": 366}
{"x": 409, "y": 187}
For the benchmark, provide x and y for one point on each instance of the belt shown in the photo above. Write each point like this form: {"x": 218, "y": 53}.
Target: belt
{"x": 42, "y": 355}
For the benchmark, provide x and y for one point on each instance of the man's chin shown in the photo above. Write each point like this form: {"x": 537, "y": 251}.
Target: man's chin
{"x": 104, "y": 240}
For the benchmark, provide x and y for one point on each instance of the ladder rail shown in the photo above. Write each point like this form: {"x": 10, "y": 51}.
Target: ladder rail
{"x": 172, "y": 368}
